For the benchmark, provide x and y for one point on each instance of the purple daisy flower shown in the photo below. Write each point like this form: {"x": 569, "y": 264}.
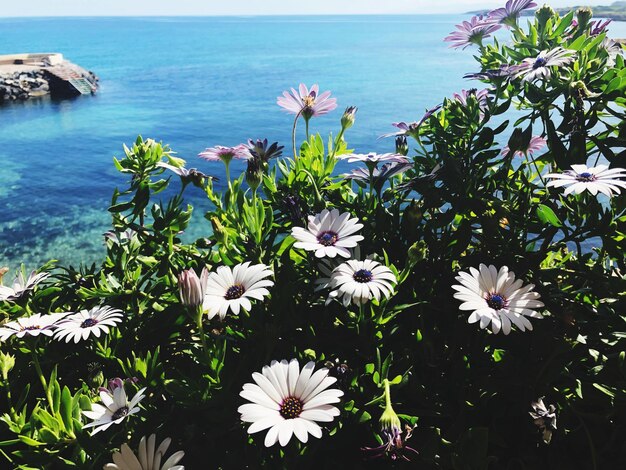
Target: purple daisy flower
{"x": 510, "y": 12}
{"x": 307, "y": 103}
{"x": 471, "y": 32}
{"x": 480, "y": 95}
{"x": 224, "y": 154}
{"x": 598, "y": 27}
{"x": 379, "y": 175}
{"x": 536, "y": 143}
{"x": 533, "y": 68}
{"x": 394, "y": 445}
{"x": 260, "y": 150}
{"x": 187, "y": 175}
{"x": 411, "y": 128}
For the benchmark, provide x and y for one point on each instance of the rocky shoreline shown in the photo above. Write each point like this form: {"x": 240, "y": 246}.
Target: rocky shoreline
{"x": 21, "y": 80}
{"x": 23, "y": 85}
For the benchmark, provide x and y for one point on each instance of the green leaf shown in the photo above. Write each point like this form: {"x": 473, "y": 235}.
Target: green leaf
{"x": 66, "y": 408}
{"x": 547, "y": 216}
{"x": 605, "y": 389}
{"x": 30, "y": 442}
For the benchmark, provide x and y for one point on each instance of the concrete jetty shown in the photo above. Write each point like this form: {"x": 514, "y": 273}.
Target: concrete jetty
{"x": 25, "y": 76}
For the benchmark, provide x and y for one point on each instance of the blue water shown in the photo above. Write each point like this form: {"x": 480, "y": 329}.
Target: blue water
{"x": 194, "y": 83}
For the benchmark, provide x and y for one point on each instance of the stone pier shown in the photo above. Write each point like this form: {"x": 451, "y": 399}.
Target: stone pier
{"x": 25, "y": 76}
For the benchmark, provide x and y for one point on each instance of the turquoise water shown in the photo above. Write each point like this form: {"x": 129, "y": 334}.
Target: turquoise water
{"x": 194, "y": 83}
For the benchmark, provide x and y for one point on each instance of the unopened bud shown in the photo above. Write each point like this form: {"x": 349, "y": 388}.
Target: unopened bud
{"x": 418, "y": 251}
{"x": 219, "y": 231}
{"x": 543, "y": 14}
{"x": 402, "y": 146}
{"x": 348, "y": 117}
{"x": 190, "y": 287}
{"x": 254, "y": 173}
{"x": 7, "y": 362}
{"x": 583, "y": 16}
{"x": 578, "y": 89}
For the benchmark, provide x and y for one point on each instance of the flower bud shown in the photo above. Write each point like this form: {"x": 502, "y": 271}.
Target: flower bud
{"x": 402, "y": 146}
{"x": 7, "y": 362}
{"x": 191, "y": 288}
{"x": 583, "y": 15}
{"x": 418, "y": 251}
{"x": 348, "y": 117}
{"x": 543, "y": 14}
{"x": 219, "y": 232}
{"x": 578, "y": 89}
{"x": 254, "y": 173}
{"x": 112, "y": 385}
{"x": 96, "y": 377}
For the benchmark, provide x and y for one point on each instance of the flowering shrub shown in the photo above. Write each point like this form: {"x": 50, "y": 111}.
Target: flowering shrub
{"x": 457, "y": 302}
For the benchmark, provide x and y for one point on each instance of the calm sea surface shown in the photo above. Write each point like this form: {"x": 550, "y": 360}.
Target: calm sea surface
{"x": 194, "y": 83}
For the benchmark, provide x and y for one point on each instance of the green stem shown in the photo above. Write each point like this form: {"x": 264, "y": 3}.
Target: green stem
{"x": 337, "y": 140}
{"x": 387, "y": 393}
{"x": 306, "y": 125}
{"x": 227, "y": 164}
{"x": 12, "y": 412}
{"x": 44, "y": 383}
{"x": 293, "y": 133}
{"x": 370, "y": 167}
{"x": 199, "y": 314}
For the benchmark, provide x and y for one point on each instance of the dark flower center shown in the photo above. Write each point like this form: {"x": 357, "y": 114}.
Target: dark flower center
{"x": 328, "y": 238}
{"x": 120, "y": 413}
{"x": 362, "y": 275}
{"x": 89, "y": 323}
{"x": 234, "y": 292}
{"x": 291, "y": 408}
{"x": 496, "y": 301}
{"x": 585, "y": 177}
{"x": 540, "y": 62}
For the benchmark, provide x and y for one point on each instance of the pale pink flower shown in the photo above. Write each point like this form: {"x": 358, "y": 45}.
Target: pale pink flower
{"x": 307, "y": 103}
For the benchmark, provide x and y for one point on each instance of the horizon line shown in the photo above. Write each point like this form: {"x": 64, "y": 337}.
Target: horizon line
{"x": 241, "y": 15}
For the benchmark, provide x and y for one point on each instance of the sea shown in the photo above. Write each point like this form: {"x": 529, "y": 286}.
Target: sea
{"x": 197, "y": 82}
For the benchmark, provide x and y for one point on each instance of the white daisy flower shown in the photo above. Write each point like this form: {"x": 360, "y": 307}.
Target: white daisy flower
{"x": 496, "y": 297}
{"x": 373, "y": 157}
{"x": 21, "y": 285}
{"x": 361, "y": 281}
{"x": 288, "y": 401}
{"x": 329, "y": 234}
{"x": 32, "y": 326}
{"x": 82, "y": 324}
{"x": 593, "y": 179}
{"x": 234, "y": 288}
{"x": 115, "y": 407}
{"x": 148, "y": 458}
{"x": 538, "y": 67}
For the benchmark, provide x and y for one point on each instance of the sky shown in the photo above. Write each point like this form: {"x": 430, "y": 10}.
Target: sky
{"x": 252, "y": 7}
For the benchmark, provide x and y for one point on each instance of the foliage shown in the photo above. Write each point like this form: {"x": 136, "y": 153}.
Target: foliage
{"x": 465, "y": 392}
